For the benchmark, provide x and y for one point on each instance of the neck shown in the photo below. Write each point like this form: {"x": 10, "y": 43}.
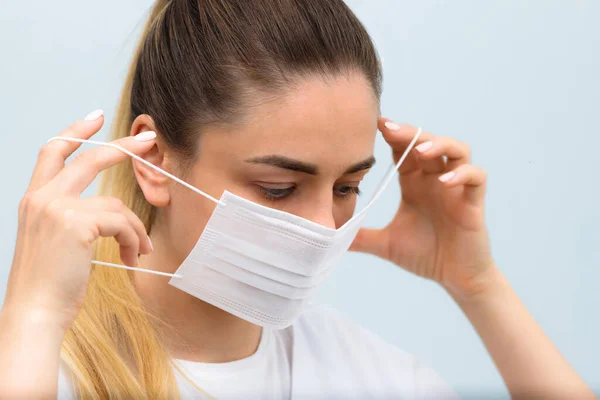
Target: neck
{"x": 194, "y": 330}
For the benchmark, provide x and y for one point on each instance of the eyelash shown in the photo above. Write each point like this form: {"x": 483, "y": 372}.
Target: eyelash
{"x": 280, "y": 194}
{"x": 352, "y": 191}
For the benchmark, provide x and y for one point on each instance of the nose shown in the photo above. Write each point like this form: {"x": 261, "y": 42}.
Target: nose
{"x": 324, "y": 218}
{"x": 320, "y": 211}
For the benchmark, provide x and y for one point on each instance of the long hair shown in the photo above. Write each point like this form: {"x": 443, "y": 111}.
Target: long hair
{"x": 199, "y": 63}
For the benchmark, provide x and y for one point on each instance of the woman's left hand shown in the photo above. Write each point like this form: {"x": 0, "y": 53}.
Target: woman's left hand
{"x": 439, "y": 230}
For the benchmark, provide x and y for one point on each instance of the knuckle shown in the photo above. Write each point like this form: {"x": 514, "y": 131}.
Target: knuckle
{"x": 33, "y": 202}
{"x": 25, "y": 203}
{"x": 123, "y": 221}
{"x": 70, "y": 130}
{"x": 140, "y": 229}
{"x": 141, "y": 224}
{"x": 53, "y": 210}
{"x": 84, "y": 234}
{"x": 80, "y": 226}
{"x": 48, "y": 150}
{"x": 70, "y": 221}
{"x": 114, "y": 203}
{"x": 73, "y": 130}
{"x": 89, "y": 158}
{"x": 24, "y": 207}
{"x": 137, "y": 227}
{"x": 83, "y": 158}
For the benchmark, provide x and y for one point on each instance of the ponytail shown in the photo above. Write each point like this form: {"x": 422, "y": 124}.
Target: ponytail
{"x": 113, "y": 349}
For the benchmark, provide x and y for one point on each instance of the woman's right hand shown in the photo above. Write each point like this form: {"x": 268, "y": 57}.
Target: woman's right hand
{"x": 56, "y": 229}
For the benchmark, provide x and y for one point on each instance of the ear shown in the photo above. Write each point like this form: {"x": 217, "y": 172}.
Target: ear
{"x": 154, "y": 184}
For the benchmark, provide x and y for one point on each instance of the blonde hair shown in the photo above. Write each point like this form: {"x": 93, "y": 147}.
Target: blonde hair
{"x": 193, "y": 67}
{"x": 113, "y": 349}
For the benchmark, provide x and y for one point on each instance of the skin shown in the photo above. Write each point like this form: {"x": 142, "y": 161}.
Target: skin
{"x": 438, "y": 232}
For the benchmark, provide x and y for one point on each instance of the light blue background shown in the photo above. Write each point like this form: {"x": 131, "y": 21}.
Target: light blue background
{"x": 519, "y": 81}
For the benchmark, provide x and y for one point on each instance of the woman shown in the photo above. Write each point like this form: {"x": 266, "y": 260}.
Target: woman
{"x": 276, "y": 102}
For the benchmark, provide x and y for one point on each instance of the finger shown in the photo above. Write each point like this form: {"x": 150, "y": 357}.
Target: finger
{"x": 78, "y": 174}
{"x": 432, "y": 166}
{"x": 118, "y": 226}
{"x": 52, "y": 155}
{"x": 114, "y": 205}
{"x": 372, "y": 241}
{"x": 457, "y": 153}
{"x": 399, "y": 137}
{"x": 473, "y": 178}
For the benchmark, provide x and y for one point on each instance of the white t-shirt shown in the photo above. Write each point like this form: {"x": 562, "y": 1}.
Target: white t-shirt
{"x": 323, "y": 355}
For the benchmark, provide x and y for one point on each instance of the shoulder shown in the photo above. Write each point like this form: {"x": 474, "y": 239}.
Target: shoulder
{"x": 338, "y": 345}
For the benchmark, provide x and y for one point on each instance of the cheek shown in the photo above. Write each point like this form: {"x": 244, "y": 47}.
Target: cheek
{"x": 188, "y": 215}
{"x": 188, "y": 212}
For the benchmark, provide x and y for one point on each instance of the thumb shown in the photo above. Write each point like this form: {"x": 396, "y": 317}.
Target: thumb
{"x": 372, "y": 241}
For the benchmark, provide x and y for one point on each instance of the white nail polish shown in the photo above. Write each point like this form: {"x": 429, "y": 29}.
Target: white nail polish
{"x": 447, "y": 176}
{"x": 94, "y": 115}
{"x": 145, "y": 136}
{"x": 392, "y": 126}
{"x": 423, "y": 147}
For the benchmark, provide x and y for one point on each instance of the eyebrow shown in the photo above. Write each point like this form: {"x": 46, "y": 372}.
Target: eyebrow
{"x": 304, "y": 167}
{"x": 361, "y": 166}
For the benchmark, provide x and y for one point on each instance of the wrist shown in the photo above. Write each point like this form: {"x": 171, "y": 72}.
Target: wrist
{"x": 485, "y": 284}
{"x": 23, "y": 320}
{"x": 30, "y": 346}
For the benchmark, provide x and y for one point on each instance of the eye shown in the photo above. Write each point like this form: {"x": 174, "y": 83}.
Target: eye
{"x": 276, "y": 193}
{"x": 347, "y": 191}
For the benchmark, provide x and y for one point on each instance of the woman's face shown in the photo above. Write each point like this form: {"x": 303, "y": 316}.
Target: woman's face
{"x": 305, "y": 153}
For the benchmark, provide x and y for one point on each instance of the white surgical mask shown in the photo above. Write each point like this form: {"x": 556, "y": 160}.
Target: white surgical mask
{"x": 258, "y": 263}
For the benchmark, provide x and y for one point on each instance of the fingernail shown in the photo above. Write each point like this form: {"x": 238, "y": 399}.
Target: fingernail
{"x": 94, "y": 115}
{"x": 150, "y": 243}
{"x": 447, "y": 176}
{"x": 423, "y": 147}
{"x": 392, "y": 126}
{"x": 145, "y": 136}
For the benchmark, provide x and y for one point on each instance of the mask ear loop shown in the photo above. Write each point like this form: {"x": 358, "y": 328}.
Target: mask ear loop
{"x": 378, "y": 193}
{"x": 138, "y": 158}
{"x": 148, "y": 271}
{"x": 176, "y": 179}
{"x": 388, "y": 177}
{"x": 391, "y": 174}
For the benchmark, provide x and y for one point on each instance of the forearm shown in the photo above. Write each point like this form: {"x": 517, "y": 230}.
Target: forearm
{"x": 29, "y": 357}
{"x": 528, "y": 361}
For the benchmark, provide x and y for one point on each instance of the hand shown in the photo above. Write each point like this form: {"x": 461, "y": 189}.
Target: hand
{"x": 439, "y": 230}
{"x": 56, "y": 229}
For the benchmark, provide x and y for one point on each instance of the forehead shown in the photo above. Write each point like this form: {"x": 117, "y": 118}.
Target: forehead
{"x": 331, "y": 121}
